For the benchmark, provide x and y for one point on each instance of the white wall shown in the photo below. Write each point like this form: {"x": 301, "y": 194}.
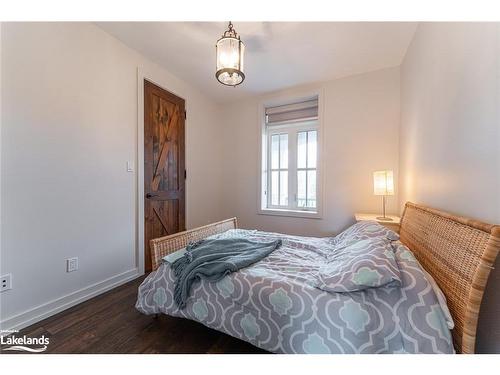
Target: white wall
{"x": 69, "y": 125}
{"x": 361, "y": 120}
{"x": 450, "y": 133}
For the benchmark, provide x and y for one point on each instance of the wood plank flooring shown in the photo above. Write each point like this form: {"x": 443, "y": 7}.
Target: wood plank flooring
{"x": 109, "y": 323}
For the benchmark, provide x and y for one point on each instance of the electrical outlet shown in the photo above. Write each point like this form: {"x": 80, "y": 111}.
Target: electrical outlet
{"x": 71, "y": 264}
{"x": 5, "y": 282}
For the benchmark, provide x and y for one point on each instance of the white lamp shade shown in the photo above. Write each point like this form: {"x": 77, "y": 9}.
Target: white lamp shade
{"x": 383, "y": 182}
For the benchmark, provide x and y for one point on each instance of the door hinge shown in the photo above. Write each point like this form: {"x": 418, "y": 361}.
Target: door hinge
{"x": 185, "y": 174}
{"x": 185, "y": 115}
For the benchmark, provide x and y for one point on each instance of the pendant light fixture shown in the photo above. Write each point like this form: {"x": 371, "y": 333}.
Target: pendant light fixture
{"x": 230, "y": 50}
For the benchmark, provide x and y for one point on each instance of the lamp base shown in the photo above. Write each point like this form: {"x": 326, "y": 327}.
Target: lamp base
{"x": 382, "y": 218}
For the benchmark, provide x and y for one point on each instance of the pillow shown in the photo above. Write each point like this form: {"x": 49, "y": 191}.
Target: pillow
{"x": 399, "y": 247}
{"x": 364, "y": 230}
{"x": 367, "y": 263}
{"x": 172, "y": 257}
{"x": 441, "y": 299}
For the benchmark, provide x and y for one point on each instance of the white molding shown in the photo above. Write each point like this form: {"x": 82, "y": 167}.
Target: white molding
{"x": 57, "y": 305}
{"x": 290, "y": 213}
{"x": 140, "y": 172}
{"x": 143, "y": 74}
{"x": 278, "y": 99}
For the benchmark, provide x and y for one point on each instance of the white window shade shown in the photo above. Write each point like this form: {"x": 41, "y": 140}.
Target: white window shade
{"x": 296, "y": 112}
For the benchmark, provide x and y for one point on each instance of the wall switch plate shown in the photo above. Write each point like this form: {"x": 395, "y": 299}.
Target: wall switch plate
{"x": 71, "y": 264}
{"x": 130, "y": 166}
{"x": 5, "y": 282}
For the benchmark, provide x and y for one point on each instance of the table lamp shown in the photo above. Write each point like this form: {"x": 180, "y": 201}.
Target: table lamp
{"x": 383, "y": 184}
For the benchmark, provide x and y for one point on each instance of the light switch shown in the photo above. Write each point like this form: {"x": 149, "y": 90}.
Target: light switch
{"x": 130, "y": 166}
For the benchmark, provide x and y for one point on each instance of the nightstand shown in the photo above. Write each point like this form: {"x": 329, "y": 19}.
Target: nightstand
{"x": 393, "y": 225}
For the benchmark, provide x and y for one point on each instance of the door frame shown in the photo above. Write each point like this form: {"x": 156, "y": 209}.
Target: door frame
{"x": 144, "y": 74}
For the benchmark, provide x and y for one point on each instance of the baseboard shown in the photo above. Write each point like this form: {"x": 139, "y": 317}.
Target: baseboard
{"x": 55, "y": 306}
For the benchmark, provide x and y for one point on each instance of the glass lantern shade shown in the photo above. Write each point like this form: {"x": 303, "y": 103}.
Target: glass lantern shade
{"x": 230, "y": 51}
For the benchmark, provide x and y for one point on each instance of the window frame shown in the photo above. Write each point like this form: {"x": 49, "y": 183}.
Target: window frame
{"x": 270, "y": 169}
{"x": 305, "y": 169}
{"x": 292, "y": 129}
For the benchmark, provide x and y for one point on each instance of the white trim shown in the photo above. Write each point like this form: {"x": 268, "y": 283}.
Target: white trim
{"x": 292, "y": 213}
{"x": 142, "y": 75}
{"x": 292, "y": 131}
{"x": 57, "y": 305}
{"x": 276, "y": 101}
{"x": 140, "y": 173}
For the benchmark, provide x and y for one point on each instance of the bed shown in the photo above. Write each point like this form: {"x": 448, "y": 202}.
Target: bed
{"x": 278, "y": 305}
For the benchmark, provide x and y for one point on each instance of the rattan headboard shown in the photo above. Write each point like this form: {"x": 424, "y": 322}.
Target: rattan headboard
{"x": 168, "y": 244}
{"x": 459, "y": 253}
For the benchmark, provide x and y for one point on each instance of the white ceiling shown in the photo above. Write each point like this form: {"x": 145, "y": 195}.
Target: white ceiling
{"x": 278, "y": 54}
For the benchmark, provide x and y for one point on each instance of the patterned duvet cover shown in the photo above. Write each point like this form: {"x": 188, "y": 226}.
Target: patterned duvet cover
{"x": 277, "y": 304}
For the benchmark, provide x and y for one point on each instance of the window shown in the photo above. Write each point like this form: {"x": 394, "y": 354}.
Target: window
{"x": 290, "y": 159}
{"x": 306, "y": 168}
{"x": 279, "y": 170}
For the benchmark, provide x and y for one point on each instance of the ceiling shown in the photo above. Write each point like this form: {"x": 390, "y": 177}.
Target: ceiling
{"x": 278, "y": 54}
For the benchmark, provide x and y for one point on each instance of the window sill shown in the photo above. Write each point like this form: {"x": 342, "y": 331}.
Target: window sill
{"x": 290, "y": 213}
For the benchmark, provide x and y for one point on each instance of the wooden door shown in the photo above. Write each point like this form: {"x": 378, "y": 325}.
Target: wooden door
{"x": 164, "y": 165}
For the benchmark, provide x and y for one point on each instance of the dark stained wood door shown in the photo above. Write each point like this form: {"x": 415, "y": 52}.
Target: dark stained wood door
{"x": 164, "y": 165}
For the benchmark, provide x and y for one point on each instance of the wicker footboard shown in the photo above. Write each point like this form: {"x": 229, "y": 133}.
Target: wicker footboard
{"x": 165, "y": 245}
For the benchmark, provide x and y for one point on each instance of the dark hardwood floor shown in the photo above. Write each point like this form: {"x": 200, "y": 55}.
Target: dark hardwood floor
{"x": 109, "y": 323}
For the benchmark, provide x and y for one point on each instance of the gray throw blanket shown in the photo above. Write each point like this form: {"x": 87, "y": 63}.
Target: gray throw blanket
{"x": 214, "y": 259}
